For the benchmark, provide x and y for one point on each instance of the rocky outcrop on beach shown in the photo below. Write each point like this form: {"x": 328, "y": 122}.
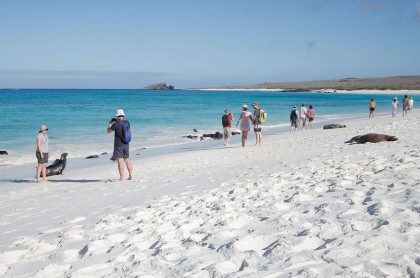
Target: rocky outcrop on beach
{"x": 92, "y": 156}
{"x": 216, "y": 136}
{"x": 4, "y": 153}
{"x": 159, "y": 86}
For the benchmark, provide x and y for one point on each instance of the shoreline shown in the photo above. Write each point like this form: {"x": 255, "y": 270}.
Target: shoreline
{"x": 319, "y": 91}
{"x": 161, "y": 150}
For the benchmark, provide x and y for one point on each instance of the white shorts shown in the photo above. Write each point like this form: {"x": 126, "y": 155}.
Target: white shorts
{"x": 227, "y": 133}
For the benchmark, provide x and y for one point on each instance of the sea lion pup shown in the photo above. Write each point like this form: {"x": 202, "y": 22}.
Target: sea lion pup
{"x": 57, "y": 167}
{"x": 332, "y": 126}
{"x": 371, "y": 138}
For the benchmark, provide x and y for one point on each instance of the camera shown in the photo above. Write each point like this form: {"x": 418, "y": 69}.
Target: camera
{"x": 113, "y": 120}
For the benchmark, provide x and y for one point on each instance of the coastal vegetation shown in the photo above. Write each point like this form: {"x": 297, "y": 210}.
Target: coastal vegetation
{"x": 349, "y": 84}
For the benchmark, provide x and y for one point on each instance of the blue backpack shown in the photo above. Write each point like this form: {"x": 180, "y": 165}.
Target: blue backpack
{"x": 126, "y": 132}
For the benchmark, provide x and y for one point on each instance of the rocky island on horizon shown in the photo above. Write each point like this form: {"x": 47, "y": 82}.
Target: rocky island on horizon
{"x": 159, "y": 86}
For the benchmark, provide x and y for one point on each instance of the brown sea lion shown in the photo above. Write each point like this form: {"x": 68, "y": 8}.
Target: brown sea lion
{"x": 332, "y": 126}
{"x": 371, "y": 138}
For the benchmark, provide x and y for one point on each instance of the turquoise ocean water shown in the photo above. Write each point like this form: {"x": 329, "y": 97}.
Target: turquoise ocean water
{"x": 77, "y": 119}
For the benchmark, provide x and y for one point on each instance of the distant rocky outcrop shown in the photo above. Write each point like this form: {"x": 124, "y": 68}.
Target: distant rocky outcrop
{"x": 159, "y": 86}
{"x": 4, "y": 153}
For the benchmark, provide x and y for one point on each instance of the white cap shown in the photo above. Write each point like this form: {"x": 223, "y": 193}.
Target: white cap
{"x": 119, "y": 112}
{"x": 43, "y": 127}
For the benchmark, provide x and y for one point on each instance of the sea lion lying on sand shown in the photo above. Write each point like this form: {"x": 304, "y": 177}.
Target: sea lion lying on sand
{"x": 371, "y": 138}
{"x": 332, "y": 126}
{"x": 57, "y": 167}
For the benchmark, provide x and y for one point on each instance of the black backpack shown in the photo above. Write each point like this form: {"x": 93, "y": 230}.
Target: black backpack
{"x": 225, "y": 120}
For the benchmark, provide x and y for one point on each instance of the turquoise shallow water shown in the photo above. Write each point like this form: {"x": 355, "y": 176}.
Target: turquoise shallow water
{"x": 77, "y": 119}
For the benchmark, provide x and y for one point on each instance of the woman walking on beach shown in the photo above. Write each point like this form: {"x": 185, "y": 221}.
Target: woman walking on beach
{"x": 372, "y": 107}
{"x": 42, "y": 152}
{"x": 311, "y": 116}
{"x": 303, "y": 112}
{"x": 394, "y": 106}
{"x": 245, "y": 120}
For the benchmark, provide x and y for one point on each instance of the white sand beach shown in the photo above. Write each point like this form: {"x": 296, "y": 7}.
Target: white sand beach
{"x": 302, "y": 204}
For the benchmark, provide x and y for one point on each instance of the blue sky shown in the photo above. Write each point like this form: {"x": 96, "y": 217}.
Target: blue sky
{"x": 197, "y": 43}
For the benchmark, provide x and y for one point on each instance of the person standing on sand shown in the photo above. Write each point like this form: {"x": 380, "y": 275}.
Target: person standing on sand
{"x": 293, "y": 119}
{"x": 245, "y": 119}
{"x": 410, "y": 104}
{"x": 311, "y": 116}
{"x": 303, "y": 112}
{"x": 405, "y": 103}
{"x": 42, "y": 152}
{"x": 227, "y": 119}
{"x": 257, "y": 124}
{"x": 121, "y": 149}
{"x": 372, "y": 107}
{"x": 394, "y": 106}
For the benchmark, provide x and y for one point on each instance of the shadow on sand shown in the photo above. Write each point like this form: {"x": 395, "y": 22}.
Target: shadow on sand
{"x": 55, "y": 181}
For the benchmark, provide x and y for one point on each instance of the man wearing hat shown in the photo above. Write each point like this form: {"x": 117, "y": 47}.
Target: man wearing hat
{"x": 121, "y": 149}
{"x": 42, "y": 152}
{"x": 227, "y": 119}
{"x": 294, "y": 119}
{"x": 257, "y": 123}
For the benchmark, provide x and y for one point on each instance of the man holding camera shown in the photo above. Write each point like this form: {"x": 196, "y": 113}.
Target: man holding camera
{"x": 121, "y": 149}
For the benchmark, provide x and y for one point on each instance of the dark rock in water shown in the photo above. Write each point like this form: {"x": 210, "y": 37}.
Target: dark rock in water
{"x": 4, "y": 153}
{"x": 235, "y": 133}
{"x": 92, "y": 156}
{"x": 104, "y": 153}
{"x": 191, "y": 136}
{"x": 195, "y": 130}
{"x": 216, "y": 135}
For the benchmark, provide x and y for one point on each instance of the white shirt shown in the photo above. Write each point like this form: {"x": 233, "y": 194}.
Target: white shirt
{"x": 303, "y": 112}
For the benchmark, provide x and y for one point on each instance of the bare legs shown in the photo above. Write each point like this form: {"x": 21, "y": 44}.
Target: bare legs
{"x": 244, "y": 137}
{"x": 121, "y": 168}
{"x": 258, "y": 137}
{"x": 42, "y": 168}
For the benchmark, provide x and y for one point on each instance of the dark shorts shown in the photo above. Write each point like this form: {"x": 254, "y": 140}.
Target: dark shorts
{"x": 121, "y": 151}
{"x": 257, "y": 128}
{"x": 311, "y": 119}
{"x": 42, "y": 160}
{"x": 372, "y": 109}
{"x": 293, "y": 123}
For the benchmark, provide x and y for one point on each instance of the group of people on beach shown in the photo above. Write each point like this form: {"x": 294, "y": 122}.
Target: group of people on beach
{"x": 246, "y": 119}
{"x": 298, "y": 118}
{"x": 407, "y": 106}
{"x": 121, "y": 148}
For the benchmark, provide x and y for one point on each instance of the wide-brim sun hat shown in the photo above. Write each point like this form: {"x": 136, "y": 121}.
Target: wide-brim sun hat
{"x": 43, "y": 127}
{"x": 119, "y": 113}
{"x": 245, "y": 106}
